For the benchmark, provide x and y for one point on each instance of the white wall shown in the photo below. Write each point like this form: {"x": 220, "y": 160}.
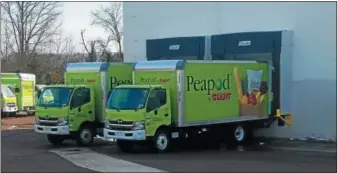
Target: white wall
{"x": 314, "y": 45}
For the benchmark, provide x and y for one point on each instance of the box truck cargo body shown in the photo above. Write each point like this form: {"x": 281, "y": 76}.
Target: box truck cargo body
{"x": 176, "y": 99}
{"x": 75, "y": 110}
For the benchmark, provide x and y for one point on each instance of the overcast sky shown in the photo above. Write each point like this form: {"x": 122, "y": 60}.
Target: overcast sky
{"x": 76, "y": 16}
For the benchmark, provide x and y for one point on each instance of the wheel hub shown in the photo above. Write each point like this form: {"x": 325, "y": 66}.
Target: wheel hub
{"x": 162, "y": 142}
{"x": 86, "y": 136}
{"x": 239, "y": 133}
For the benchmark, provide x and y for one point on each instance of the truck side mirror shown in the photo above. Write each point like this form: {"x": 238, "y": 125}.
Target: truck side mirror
{"x": 156, "y": 112}
{"x": 79, "y": 109}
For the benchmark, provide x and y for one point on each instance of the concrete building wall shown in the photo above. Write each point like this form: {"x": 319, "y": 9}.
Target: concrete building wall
{"x": 313, "y": 102}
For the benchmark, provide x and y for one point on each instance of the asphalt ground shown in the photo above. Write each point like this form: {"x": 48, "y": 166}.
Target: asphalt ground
{"x": 26, "y": 151}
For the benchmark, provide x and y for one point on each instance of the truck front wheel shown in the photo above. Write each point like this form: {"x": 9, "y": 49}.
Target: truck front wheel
{"x": 85, "y": 136}
{"x": 55, "y": 139}
{"x": 162, "y": 141}
{"x": 125, "y": 146}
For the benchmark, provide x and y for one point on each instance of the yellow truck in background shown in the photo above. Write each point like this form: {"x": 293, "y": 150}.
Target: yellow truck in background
{"x": 8, "y": 102}
{"x": 23, "y": 86}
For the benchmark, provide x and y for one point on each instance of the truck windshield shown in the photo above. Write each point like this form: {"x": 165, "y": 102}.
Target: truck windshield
{"x": 6, "y": 92}
{"x": 57, "y": 96}
{"x": 128, "y": 98}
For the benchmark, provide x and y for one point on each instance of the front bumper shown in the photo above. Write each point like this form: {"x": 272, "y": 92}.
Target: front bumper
{"x": 9, "y": 109}
{"x": 54, "y": 130}
{"x": 136, "y": 135}
{"x": 29, "y": 108}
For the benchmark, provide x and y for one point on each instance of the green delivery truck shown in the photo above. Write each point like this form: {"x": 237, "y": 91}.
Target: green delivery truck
{"x": 175, "y": 99}
{"x": 23, "y": 86}
{"x": 75, "y": 109}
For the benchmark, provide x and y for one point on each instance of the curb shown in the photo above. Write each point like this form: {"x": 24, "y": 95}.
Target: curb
{"x": 304, "y": 150}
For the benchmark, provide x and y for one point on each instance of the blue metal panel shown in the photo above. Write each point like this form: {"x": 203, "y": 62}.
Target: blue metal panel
{"x": 246, "y": 43}
{"x": 175, "y": 48}
{"x": 160, "y": 65}
{"x": 87, "y": 66}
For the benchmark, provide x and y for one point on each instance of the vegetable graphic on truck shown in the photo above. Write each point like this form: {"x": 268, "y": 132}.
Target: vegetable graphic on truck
{"x": 178, "y": 100}
{"x": 75, "y": 110}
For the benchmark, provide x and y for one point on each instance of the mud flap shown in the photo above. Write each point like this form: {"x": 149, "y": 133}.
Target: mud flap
{"x": 283, "y": 119}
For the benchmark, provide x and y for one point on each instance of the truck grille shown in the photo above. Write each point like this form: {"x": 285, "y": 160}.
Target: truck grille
{"x": 116, "y": 122}
{"x": 120, "y": 125}
{"x": 48, "y": 118}
{"x": 11, "y": 104}
{"x": 48, "y": 123}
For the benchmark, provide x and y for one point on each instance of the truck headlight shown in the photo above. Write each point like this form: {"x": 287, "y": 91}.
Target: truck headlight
{"x": 139, "y": 125}
{"x": 62, "y": 122}
{"x": 106, "y": 124}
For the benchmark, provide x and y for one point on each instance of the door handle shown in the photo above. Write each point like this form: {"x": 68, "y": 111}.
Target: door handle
{"x": 71, "y": 113}
{"x": 166, "y": 115}
{"x": 89, "y": 112}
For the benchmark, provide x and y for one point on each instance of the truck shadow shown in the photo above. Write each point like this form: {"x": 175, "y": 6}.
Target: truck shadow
{"x": 193, "y": 147}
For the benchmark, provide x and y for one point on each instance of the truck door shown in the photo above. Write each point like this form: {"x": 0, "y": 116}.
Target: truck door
{"x": 81, "y": 107}
{"x": 157, "y": 111}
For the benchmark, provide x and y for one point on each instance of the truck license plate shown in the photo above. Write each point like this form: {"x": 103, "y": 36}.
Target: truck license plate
{"x": 119, "y": 134}
{"x": 48, "y": 129}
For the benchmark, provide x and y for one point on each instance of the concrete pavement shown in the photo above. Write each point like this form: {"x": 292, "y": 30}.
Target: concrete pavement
{"x": 30, "y": 152}
{"x": 26, "y": 151}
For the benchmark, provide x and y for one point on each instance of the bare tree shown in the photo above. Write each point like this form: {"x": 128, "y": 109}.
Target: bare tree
{"x": 63, "y": 44}
{"x": 110, "y": 18}
{"x": 91, "y": 50}
{"x": 105, "y": 53}
{"x": 30, "y": 23}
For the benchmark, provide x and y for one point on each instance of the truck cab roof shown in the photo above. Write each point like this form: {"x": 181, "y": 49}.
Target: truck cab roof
{"x": 141, "y": 86}
{"x": 67, "y": 86}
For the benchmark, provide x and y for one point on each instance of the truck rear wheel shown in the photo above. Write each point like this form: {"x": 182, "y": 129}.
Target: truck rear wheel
{"x": 125, "y": 146}
{"x": 239, "y": 135}
{"x": 162, "y": 141}
{"x": 55, "y": 139}
{"x": 85, "y": 136}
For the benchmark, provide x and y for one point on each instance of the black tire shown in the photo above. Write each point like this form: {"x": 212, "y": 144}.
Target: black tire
{"x": 3, "y": 114}
{"x": 85, "y": 136}
{"x": 125, "y": 146}
{"x": 30, "y": 113}
{"x": 55, "y": 139}
{"x": 12, "y": 114}
{"x": 239, "y": 135}
{"x": 162, "y": 141}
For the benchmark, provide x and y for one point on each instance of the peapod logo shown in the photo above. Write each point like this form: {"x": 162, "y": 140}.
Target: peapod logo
{"x": 215, "y": 88}
{"x": 153, "y": 80}
{"x": 82, "y": 81}
{"x": 114, "y": 81}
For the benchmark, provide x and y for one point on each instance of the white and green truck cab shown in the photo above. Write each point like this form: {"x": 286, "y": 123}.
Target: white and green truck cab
{"x": 75, "y": 110}
{"x": 23, "y": 86}
{"x": 8, "y": 102}
{"x": 176, "y": 99}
